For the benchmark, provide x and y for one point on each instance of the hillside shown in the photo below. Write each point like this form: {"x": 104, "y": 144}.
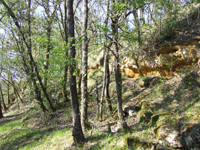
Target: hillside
{"x": 174, "y": 101}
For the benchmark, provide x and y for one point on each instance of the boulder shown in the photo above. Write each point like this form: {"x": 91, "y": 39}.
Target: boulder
{"x": 131, "y": 110}
{"x": 145, "y": 114}
{"x": 190, "y": 136}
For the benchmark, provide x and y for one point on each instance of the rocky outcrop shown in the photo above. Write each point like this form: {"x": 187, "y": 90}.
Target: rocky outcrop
{"x": 168, "y": 57}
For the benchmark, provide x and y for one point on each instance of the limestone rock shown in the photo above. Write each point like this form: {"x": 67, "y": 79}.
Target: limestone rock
{"x": 130, "y": 110}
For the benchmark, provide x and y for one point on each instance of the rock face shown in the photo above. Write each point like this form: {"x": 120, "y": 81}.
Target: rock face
{"x": 168, "y": 58}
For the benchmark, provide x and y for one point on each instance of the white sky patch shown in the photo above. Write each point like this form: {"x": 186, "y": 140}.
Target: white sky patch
{"x": 2, "y": 31}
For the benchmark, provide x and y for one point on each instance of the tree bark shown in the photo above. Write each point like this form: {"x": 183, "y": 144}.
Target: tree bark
{"x": 77, "y": 132}
{"x": 97, "y": 100}
{"x": 2, "y": 97}
{"x": 107, "y": 81}
{"x": 84, "y": 66}
{"x": 137, "y": 25}
{"x": 66, "y": 55}
{"x": 136, "y": 62}
{"x": 8, "y": 88}
{"x": 15, "y": 90}
{"x": 1, "y": 112}
{"x": 106, "y": 63}
{"x": 118, "y": 78}
{"x": 101, "y": 102}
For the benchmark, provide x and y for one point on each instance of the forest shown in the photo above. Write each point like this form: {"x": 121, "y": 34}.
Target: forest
{"x": 100, "y": 74}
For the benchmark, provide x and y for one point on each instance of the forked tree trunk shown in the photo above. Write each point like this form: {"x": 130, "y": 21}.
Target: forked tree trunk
{"x": 77, "y": 132}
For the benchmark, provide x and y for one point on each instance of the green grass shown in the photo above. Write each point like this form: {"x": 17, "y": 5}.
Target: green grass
{"x": 16, "y": 135}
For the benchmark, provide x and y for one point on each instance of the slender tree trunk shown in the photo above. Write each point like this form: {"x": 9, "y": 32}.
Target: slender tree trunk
{"x": 84, "y": 65}
{"x": 107, "y": 81}
{"x": 46, "y": 66}
{"x": 34, "y": 67}
{"x": 2, "y": 97}
{"x": 48, "y": 36}
{"x": 136, "y": 62}
{"x": 15, "y": 90}
{"x": 8, "y": 93}
{"x": 66, "y": 54}
{"x": 106, "y": 64}
{"x": 101, "y": 101}
{"x": 8, "y": 88}
{"x": 97, "y": 100}
{"x": 142, "y": 15}
{"x": 151, "y": 15}
{"x": 118, "y": 77}
{"x": 137, "y": 24}
{"x": 77, "y": 132}
{"x": 1, "y": 112}
{"x": 79, "y": 83}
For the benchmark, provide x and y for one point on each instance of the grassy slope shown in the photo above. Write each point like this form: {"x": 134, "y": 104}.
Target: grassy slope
{"x": 28, "y": 128}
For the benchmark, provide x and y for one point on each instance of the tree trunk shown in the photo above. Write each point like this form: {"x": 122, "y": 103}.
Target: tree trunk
{"x": 79, "y": 83}
{"x": 66, "y": 55}
{"x": 46, "y": 66}
{"x": 8, "y": 93}
{"x": 8, "y": 88}
{"x": 97, "y": 100}
{"x": 106, "y": 64}
{"x": 34, "y": 71}
{"x": 1, "y": 112}
{"x": 118, "y": 78}
{"x": 77, "y": 132}
{"x": 84, "y": 66}
{"x": 2, "y": 97}
{"x": 106, "y": 81}
{"x": 15, "y": 90}
{"x": 137, "y": 24}
{"x": 136, "y": 62}
{"x": 101, "y": 101}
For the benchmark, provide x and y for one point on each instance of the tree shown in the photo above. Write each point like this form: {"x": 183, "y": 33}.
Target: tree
{"x": 84, "y": 92}
{"x": 30, "y": 66}
{"x": 118, "y": 77}
{"x": 106, "y": 61}
{"x": 77, "y": 132}
{"x": 49, "y": 20}
{"x": 106, "y": 76}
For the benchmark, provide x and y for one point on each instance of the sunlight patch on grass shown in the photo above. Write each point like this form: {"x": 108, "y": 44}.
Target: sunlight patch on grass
{"x": 56, "y": 140}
